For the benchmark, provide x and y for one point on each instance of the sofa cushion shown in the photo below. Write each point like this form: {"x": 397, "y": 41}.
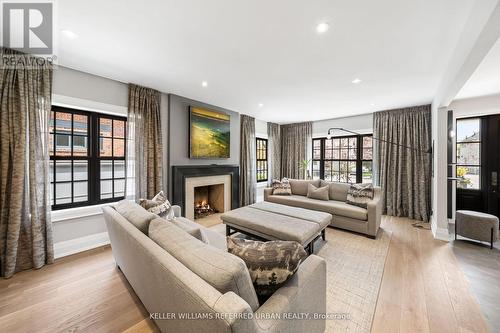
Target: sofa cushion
{"x": 318, "y": 193}
{"x": 332, "y": 206}
{"x": 281, "y": 187}
{"x": 299, "y": 186}
{"x": 135, "y": 214}
{"x": 360, "y": 195}
{"x": 224, "y": 271}
{"x": 159, "y": 205}
{"x": 270, "y": 264}
{"x": 192, "y": 228}
{"x": 338, "y": 191}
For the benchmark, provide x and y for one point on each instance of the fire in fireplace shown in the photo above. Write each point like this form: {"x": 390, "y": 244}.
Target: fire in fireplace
{"x": 202, "y": 209}
{"x": 208, "y": 200}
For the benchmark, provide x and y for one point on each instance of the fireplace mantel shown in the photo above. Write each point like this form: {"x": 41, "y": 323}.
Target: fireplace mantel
{"x": 180, "y": 173}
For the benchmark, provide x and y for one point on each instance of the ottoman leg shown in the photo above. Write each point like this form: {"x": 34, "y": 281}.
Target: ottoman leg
{"x": 491, "y": 240}
{"x": 456, "y": 228}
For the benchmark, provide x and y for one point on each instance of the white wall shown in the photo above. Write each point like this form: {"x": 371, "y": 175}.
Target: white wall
{"x": 362, "y": 124}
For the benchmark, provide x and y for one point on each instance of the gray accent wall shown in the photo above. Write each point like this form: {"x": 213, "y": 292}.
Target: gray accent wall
{"x": 178, "y": 152}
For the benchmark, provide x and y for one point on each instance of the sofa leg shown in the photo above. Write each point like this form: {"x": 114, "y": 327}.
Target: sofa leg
{"x": 228, "y": 230}
{"x": 323, "y": 235}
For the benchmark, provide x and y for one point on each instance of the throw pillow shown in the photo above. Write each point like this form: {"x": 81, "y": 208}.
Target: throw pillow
{"x": 281, "y": 187}
{"x": 159, "y": 205}
{"x": 270, "y": 264}
{"x": 321, "y": 193}
{"x": 360, "y": 194}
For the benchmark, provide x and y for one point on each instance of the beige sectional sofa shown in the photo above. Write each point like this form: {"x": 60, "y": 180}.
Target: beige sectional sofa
{"x": 345, "y": 216}
{"x": 175, "y": 270}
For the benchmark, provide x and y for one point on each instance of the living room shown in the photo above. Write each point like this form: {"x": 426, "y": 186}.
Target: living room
{"x": 193, "y": 166}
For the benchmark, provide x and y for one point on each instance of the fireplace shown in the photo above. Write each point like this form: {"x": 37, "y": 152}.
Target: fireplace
{"x": 222, "y": 182}
{"x": 208, "y": 200}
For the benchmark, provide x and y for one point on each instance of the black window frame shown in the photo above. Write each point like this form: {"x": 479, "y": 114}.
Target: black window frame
{"x": 93, "y": 159}
{"x": 266, "y": 161}
{"x": 320, "y": 162}
{"x": 482, "y": 131}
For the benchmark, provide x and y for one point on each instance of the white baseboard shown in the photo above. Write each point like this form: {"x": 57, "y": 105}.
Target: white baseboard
{"x": 72, "y": 246}
{"x": 439, "y": 233}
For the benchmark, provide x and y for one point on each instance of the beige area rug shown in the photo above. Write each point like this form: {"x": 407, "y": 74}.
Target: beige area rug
{"x": 355, "y": 265}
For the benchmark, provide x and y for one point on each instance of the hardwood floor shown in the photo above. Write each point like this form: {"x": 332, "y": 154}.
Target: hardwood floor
{"x": 423, "y": 290}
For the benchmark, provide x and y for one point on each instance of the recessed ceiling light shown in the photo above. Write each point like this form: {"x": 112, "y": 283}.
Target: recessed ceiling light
{"x": 204, "y": 84}
{"x": 322, "y": 27}
{"x": 356, "y": 81}
{"x": 261, "y": 105}
{"x": 372, "y": 104}
{"x": 69, "y": 34}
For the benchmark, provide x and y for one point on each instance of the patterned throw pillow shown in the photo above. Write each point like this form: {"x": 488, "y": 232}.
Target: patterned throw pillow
{"x": 360, "y": 194}
{"x": 159, "y": 205}
{"x": 319, "y": 193}
{"x": 281, "y": 187}
{"x": 270, "y": 264}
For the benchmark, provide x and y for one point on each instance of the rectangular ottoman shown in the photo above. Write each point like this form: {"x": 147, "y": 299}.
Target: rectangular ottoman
{"x": 271, "y": 221}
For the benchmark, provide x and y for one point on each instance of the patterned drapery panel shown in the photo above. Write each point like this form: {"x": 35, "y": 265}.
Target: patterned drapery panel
{"x": 295, "y": 140}
{"x": 274, "y": 151}
{"x": 248, "y": 177}
{"x": 402, "y": 161}
{"x": 144, "y": 128}
{"x": 25, "y": 225}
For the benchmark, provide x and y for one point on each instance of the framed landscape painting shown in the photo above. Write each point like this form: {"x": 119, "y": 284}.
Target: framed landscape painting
{"x": 209, "y": 134}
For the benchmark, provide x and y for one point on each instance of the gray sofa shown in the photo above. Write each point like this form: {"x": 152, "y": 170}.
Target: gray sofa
{"x": 199, "y": 277}
{"x": 345, "y": 216}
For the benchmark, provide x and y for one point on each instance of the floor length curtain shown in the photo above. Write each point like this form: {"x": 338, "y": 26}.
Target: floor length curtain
{"x": 274, "y": 152}
{"x": 295, "y": 141}
{"x": 402, "y": 161}
{"x": 248, "y": 155}
{"x": 144, "y": 129}
{"x": 25, "y": 225}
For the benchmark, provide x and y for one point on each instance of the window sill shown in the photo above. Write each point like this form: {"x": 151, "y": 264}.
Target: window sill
{"x": 76, "y": 213}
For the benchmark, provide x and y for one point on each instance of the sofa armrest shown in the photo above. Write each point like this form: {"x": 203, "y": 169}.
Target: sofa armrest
{"x": 267, "y": 192}
{"x": 305, "y": 293}
{"x": 177, "y": 210}
{"x": 375, "y": 212}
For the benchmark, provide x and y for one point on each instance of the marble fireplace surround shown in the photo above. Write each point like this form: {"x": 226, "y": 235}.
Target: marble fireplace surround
{"x": 185, "y": 178}
{"x": 193, "y": 182}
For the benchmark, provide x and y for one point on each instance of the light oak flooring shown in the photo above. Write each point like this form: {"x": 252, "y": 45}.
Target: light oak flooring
{"x": 481, "y": 266}
{"x": 422, "y": 290}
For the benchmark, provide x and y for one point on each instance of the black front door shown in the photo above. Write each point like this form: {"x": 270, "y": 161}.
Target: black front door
{"x": 492, "y": 165}
{"x": 478, "y": 164}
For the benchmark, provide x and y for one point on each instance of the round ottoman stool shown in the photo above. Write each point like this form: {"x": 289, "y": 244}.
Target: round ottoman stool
{"x": 475, "y": 225}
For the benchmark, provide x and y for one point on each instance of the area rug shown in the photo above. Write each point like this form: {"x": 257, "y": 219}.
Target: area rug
{"x": 355, "y": 265}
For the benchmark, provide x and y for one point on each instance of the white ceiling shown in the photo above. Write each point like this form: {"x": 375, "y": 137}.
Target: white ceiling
{"x": 261, "y": 51}
{"x": 486, "y": 78}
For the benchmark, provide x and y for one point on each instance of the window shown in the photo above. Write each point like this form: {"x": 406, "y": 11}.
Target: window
{"x": 343, "y": 159}
{"x": 469, "y": 153}
{"x": 261, "y": 160}
{"x": 87, "y": 158}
